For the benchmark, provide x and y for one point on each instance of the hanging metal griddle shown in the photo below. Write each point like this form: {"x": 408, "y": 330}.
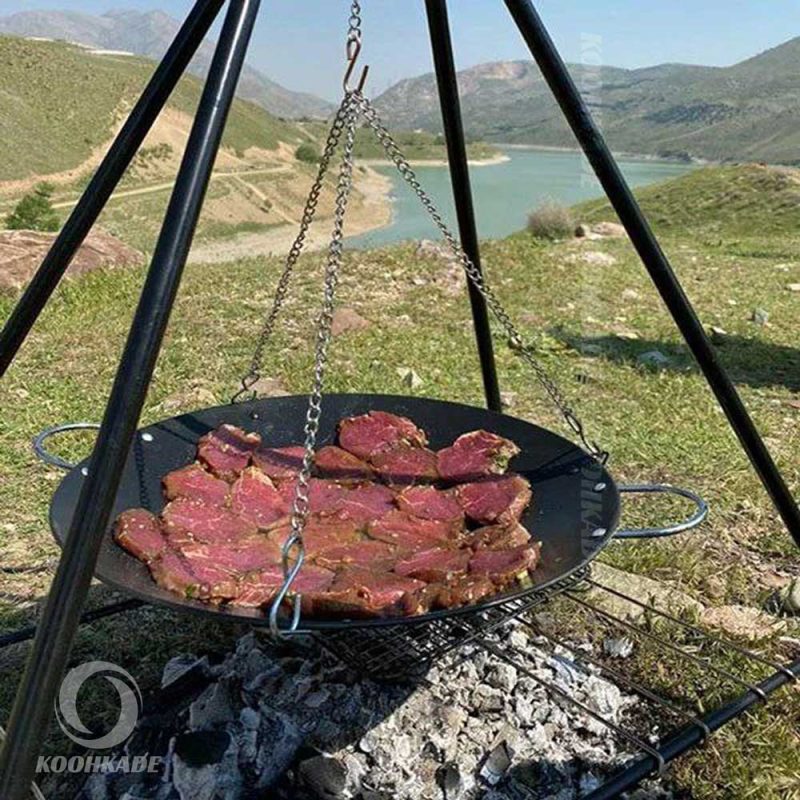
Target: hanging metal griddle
{"x": 576, "y": 503}
{"x": 574, "y": 513}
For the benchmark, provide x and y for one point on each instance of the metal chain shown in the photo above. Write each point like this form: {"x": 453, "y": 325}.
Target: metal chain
{"x": 476, "y": 277}
{"x": 334, "y": 135}
{"x": 354, "y": 22}
{"x": 293, "y": 547}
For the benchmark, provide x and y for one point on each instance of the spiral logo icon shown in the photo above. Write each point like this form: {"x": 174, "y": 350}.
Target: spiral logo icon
{"x": 130, "y": 701}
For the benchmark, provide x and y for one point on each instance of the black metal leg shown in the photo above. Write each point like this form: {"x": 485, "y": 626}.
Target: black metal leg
{"x": 39, "y": 685}
{"x": 588, "y": 134}
{"x": 106, "y": 178}
{"x": 462, "y": 192}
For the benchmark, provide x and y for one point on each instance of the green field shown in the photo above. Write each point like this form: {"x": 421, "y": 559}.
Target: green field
{"x": 733, "y": 235}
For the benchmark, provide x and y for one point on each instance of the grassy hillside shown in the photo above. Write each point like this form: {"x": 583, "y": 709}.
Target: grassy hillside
{"x": 589, "y": 324}
{"x": 58, "y": 102}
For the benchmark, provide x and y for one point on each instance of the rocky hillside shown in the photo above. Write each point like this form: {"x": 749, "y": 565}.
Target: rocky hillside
{"x": 750, "y": 111}
{"x": 149, "y": 34}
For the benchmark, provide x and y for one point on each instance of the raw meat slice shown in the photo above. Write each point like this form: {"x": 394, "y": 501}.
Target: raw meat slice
{"x": 499, "y": 537}
{"x": 279, "y": 463}
{"x": 246, "y": 555}
{"x": 255, "y": 499}
{"x": 175, "y": 572}
{"x": 362, "y": 593}
{"x": 374, "y": 555}
{"x": 195, "y": 483}
{"x": 368, "y": 434}
{"x": 139, "y": 532}
{"x": 428, "y": 502}
{"x": 406, "y": 464}
{"x": 324, "y": 497}
{"x": 501, "y": 499}
{"x": 475, "y": 455}
{"x": 258, "y": 588}
{"x": 413, "y": 533}
{"x": 339, "y": 465}
{"x": 320, "y": 533}
{"x": 365, "y": 503}
{"x": 503, "y": 566}
{"x": 435, "y": 565}
{"x": 311, "y": 579}
{"x": 184, "y": 518}
{"x": 226, "y": 450}
{"x": 462, "y": 590}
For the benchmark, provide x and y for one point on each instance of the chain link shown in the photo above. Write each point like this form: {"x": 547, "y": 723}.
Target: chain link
{"x": 476, "y": 277}
{"x": 254, "y": 371}
{"x": 354, "y": 22}
{"x": 293, "y": 551}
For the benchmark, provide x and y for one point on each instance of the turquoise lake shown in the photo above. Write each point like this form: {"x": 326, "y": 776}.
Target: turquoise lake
{"x": 504, "y": 193}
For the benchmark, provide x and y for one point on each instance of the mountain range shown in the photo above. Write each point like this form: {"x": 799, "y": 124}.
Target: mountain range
{"x": 747, "y": 112}
{"x": 149, "y": 34}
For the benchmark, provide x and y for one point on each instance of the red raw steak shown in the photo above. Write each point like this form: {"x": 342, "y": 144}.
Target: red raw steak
{"x": 246, "y": 555}
{"x": 475, "y": 455}
{"x": 324, "y": 496}
{"x": 503, "y": 566}
{"x": 255, "y": 499}
{"x": 374, "y": 555}
{"x": 368, "y": 434}
{"x": 461, "y": 590}
{"x": 139, "y": 532}
{"x": 279, "y": 463}
{"x": 226, "y": 450}
{"x": 435, "y": 565}
{"x": 413, "y": 533}
{"x": 203, "y": 581}
{"x": 258, "y": 588}
{"x": 501, "y": 499}
{"x": 499, "y": 537}
{"x": 365, "y": 503}
{"x": 406, "y": 464}
{"x": 320, "y": 533}
{"x": 184, "y": 518}
{"x": 336, "y": 464}
{"x": 428, "y": 502}
{"x": 195, "y": 483}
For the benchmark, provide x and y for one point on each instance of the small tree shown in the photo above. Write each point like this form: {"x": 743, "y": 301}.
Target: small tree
{"x": 551, "y": 221}
{"x": 35, "y": 212}
{"x": 307, "y": 153}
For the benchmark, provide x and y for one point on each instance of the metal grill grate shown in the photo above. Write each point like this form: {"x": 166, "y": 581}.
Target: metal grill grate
{"x": 715, "y": 673}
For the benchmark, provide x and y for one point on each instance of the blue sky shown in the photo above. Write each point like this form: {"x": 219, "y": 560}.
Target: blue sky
{"x": 299, "y": 43}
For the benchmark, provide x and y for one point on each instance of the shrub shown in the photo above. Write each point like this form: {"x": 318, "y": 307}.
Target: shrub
{"x": 34, "y": 212}
{"x": 551, "y": 221}
{"x": 307, "y": 153}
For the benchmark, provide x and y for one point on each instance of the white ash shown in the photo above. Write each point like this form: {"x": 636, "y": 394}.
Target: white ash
{"x": 297, "y": 721}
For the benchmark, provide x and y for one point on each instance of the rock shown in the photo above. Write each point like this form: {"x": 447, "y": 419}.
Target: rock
{"x": 609, "y": 229}
{"x": 503, "y": 677}
{"x": 595, "y": 258}
{"x": 742, "y": 622}
{"x": 324, "y": 777}
{"x": 448, "y": 778}
{"x": 346, "y": 320}
{"x": 793, "y": 287}
{"x": 496, "y": 764}
{"x": 508, "y": 399}
{"x": 630, "y": 294}
{"x": 759, "y": 316}
{"x": 409, "y": 377}
{"x": 654, "y": 358}
{"x": 718, "y": 334}
{"x": 789, "y": 598}
{"x": 21, "y": 252}
{"x": 618, "y": 648}
{"x": 270, "y": 387}
{"x": 582, "y": 231}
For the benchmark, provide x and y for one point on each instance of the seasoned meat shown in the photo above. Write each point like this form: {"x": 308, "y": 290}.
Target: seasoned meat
{"x": 362, "y": 593}
{"x": 258, "y": 588}
{"x": 434, "y": 565}
{"x": 255, "y": 499}
{"x": 475, "y": 455}
{"x": 201, "y": 580}
{"x": 139, "y": 532}
{"x": 195, "y": 483}
{"x": 414, "y": 533}
{"x": 428, "y": 502}
{"x": 279, "y": 463}
{"x": 368, "y": 434}
{"x": 406, "y": 464}
{"x": 503, "y": 566}
{"x": 246, "y": 555}
{"x": 501, "y": 499}
{"x": 324, "y": 496}
{"x": 499, "y": 537}
{"x": 460, "y": 590}
{"x": 320, "y": 533}
{"x": 312, "y": 579}
{"x": 226, "y": 450}
{"x": 366, "y": 502}
{"x": 336, "y": 464}
{"x": 184, "y": 518}
{"x": 370, "y": 554}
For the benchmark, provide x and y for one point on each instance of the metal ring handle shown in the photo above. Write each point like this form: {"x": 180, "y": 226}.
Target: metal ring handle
{"x": 41, "y": 438}
{"x": 662, "y": 488}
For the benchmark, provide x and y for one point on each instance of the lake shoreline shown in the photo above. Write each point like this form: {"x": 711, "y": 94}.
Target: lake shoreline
{"x": 618, "y": 154}
{"x": 492, "y": 161}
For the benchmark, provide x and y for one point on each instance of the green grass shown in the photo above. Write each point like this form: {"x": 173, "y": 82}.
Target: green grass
{"x": 659, "y": 425}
